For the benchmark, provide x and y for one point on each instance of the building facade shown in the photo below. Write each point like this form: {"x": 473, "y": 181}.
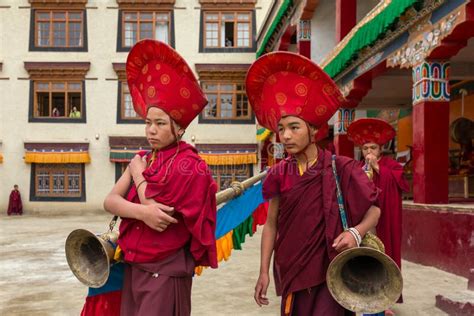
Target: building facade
{"x": 68, "y": 127}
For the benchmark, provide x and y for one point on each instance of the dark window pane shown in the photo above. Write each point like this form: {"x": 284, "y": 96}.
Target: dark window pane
{"x": 59, "y": 103}
{"x": 43, "y": 104}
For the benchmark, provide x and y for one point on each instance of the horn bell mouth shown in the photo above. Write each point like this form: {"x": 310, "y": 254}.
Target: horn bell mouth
{"x": 88, "y": 257}
{"x": 364, "y": 280}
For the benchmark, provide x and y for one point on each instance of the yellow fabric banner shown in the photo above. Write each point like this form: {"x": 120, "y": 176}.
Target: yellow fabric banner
{"x": 57, "y": 157}
{"x": 229, "y": 159}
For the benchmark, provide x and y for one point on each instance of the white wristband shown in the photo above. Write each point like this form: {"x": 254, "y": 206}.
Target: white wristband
{"x": 356, "y": 234}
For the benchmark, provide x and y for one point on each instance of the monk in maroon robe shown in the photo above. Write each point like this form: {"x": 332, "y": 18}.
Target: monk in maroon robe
{"x": 293, "y": 97}
{"x": 387, "y": 174}
{"x": 15, "y": 207}
{"x": 169, "y": 210}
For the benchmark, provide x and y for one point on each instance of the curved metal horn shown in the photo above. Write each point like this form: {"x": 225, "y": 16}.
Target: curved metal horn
{"x": 89, "y": 256}
{"x": 364, "y": 280}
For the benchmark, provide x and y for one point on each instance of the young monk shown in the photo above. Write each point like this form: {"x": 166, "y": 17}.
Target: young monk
{"x": 169, "y": 214}
{"x": 371, "y": 135}
{"x": 293, "y": 97}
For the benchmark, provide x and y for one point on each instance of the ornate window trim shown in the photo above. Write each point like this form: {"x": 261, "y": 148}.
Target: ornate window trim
{"x": 219, "y": 8}
{"x": 144, "y": 6}
{"x": 56, "y": 72}
{"x": 55, "y": 6}
{"x": 225, "y": 74}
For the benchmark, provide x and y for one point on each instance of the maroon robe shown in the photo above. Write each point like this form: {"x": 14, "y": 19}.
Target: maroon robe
{"x": 308, "y": 223}
{"x": 15, "y": 207}
{"x": 391, "y": 182}
{"x": 182, "y": 181}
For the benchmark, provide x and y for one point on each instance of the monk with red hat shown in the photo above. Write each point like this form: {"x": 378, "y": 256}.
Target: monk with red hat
{"x": 293, "y": 97}
{"x": 169, "y": 212}
{"x": 387, "y": 174}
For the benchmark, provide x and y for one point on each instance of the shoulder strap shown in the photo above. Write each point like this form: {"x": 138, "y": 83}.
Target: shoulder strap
{"x": 340, "y": 198}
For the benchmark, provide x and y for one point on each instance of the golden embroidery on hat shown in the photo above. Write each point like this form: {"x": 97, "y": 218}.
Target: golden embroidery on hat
{"x": 321, "y": 110}
{"x": 301, "y": 70}
{"x": 138, "y": 61}
{"x": 157, "y": 66}
{"x": 175, "y": 115}
{"x": 165, "y": 79}
{"x": 271, "y": 80}
{"x": 314, "y": 75}
{"x": 151, "y": 91}
{"x": 280, "y": 98}
{"x": 184, "y": 92}
{"x": 328, "y": 89}
{"x": 301, "y": 89}
{"x": 145, "y": 69}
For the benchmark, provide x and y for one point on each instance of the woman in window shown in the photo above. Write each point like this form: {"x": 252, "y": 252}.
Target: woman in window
{"x": 169, "y": 211}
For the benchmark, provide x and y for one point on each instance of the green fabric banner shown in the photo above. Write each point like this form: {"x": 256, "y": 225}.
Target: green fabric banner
{"x": 368, "y": 34}
{"x": 284, "y": 7}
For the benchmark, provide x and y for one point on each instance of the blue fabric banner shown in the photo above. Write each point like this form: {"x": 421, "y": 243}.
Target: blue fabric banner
{"x": 237, "y": 210}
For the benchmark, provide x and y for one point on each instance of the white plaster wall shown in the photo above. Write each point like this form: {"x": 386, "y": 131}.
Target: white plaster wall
{"x": 101, "y": 97}
{"x": 323, "y": 35}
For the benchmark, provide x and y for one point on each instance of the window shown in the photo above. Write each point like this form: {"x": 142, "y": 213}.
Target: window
{"x": 125, "y": 110}
{"x": 137, "y": 25}
{"x": 226, "y": 101}
{"x": 224, "y": 87}
{"x": 58, "y": 30}
{"x": 224, "y": 175}
{"x": 57, "y": 99}
{"x": 58, "y": 182}
{"x": 126, "y": 106}
{"x": 57, "y": 91}
{"x": 227, "y": 29}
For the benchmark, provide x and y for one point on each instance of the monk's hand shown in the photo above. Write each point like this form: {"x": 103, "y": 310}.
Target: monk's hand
{"x": 372, "y": 160}
{"x": 344, "y": 241}
{"x": 137, "y": 166}
{"x": 158, "y": 216}
{"x": 261, "y": 287}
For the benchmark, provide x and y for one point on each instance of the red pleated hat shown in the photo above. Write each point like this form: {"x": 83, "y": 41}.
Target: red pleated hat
{"x": 159, "y": 77}
{"x": 281, "y": 84}
{"x": 370, "y": 130}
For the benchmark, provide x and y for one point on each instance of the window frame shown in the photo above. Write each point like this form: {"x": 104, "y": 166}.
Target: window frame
{"x": 250, "y": 119}
{"x": 121, "y": 28}
{"x": 49, "y": 119}
{"x": 220, "y": 11}
{"x": 121, "y": 108}
{"x": 34, "y": 197}
{"x": 216, "y": 171}
{"x": 33, "y": 43}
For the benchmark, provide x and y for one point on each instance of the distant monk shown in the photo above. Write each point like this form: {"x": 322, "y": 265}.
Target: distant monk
{"x": 14, "y": 204}
{"x": 371, "y": 135}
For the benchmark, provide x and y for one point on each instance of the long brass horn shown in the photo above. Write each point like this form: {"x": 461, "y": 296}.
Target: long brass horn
{"x": 365, "y": 279}
{"x": 89, "y": 256}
